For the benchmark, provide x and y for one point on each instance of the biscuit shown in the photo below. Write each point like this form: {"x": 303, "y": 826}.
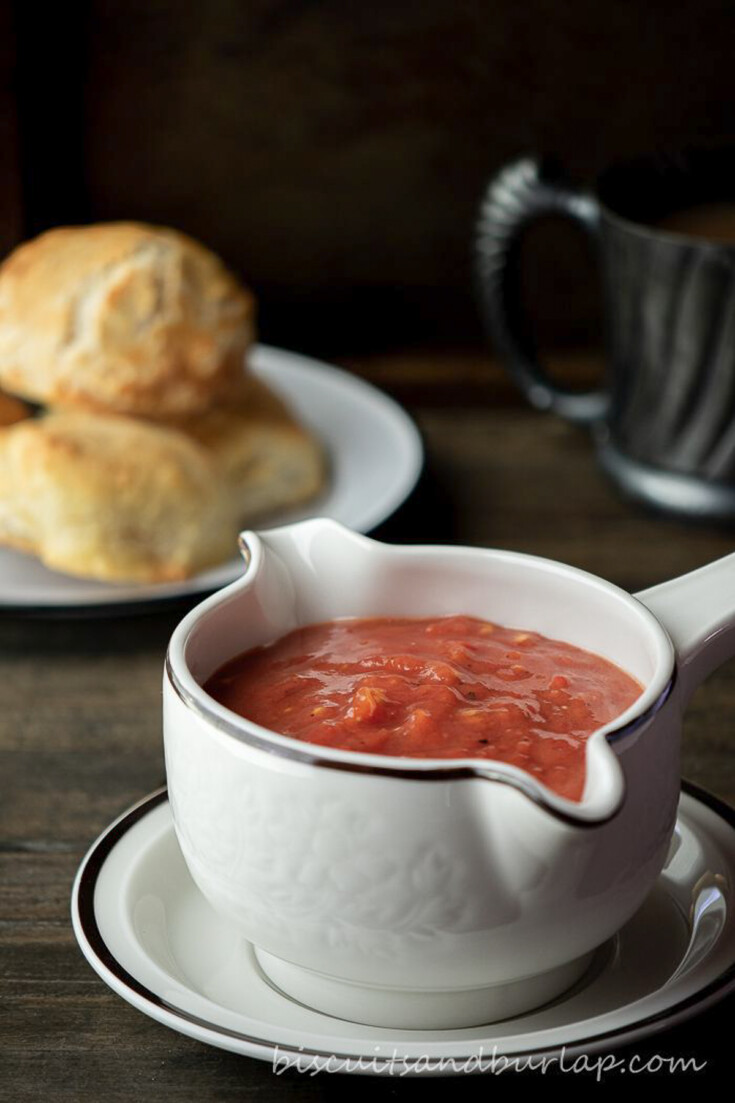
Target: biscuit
{"x": 121, "y": 317}
{"x": 267, "y": 460}
{"x": 111, "y": 498}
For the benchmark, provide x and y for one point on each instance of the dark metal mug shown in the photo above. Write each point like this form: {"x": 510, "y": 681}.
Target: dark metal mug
{"x": 664, "y": 421}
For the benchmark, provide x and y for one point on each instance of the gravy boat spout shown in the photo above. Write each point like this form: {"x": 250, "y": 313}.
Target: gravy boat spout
{"x": 427, "y": 892}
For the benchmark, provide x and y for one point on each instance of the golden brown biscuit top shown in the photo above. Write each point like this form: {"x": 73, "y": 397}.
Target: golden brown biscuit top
{"x": 123, "y": 317}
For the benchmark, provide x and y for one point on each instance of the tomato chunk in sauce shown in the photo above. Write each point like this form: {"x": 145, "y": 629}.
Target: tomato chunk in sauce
{"x": 447, "y": 687}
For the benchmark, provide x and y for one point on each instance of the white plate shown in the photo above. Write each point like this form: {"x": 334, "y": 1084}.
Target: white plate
{"x": 375, "y": 457}
{"x": 145, "y": 928}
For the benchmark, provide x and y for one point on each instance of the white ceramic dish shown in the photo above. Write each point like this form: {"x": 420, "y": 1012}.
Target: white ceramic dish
{"x": 375, "y": 453}
{"x": 145, "y": 928}
{"x": 416, "y": 890}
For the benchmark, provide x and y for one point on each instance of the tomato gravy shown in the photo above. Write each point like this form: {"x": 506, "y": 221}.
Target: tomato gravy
{"x": 447, "y": 687}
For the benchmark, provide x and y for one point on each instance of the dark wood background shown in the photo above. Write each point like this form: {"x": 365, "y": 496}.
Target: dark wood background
{"x": 334, "y": 151}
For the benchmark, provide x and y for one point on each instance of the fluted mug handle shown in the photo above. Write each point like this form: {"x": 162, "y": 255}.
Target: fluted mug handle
{"x": 521, "y": 193}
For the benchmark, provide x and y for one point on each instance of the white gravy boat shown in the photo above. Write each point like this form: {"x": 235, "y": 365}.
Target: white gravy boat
{"x": 430, "y": 893}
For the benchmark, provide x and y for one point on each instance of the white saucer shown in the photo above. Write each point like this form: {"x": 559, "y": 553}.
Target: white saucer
{"x": 145, "y": 928}
{"x": 375, "y": 456}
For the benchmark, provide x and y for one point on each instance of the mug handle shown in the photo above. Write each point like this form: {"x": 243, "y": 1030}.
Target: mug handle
{"x": 521, "y": 193}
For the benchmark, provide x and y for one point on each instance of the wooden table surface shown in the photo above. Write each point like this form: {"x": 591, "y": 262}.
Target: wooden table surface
{"x": 80, "y": 740}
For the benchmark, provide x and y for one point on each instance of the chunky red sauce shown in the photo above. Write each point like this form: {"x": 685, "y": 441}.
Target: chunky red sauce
{"x": 449, "y": 687}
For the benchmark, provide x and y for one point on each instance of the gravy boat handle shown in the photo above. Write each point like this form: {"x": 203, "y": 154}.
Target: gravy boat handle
{"x": 698, "y": 612}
